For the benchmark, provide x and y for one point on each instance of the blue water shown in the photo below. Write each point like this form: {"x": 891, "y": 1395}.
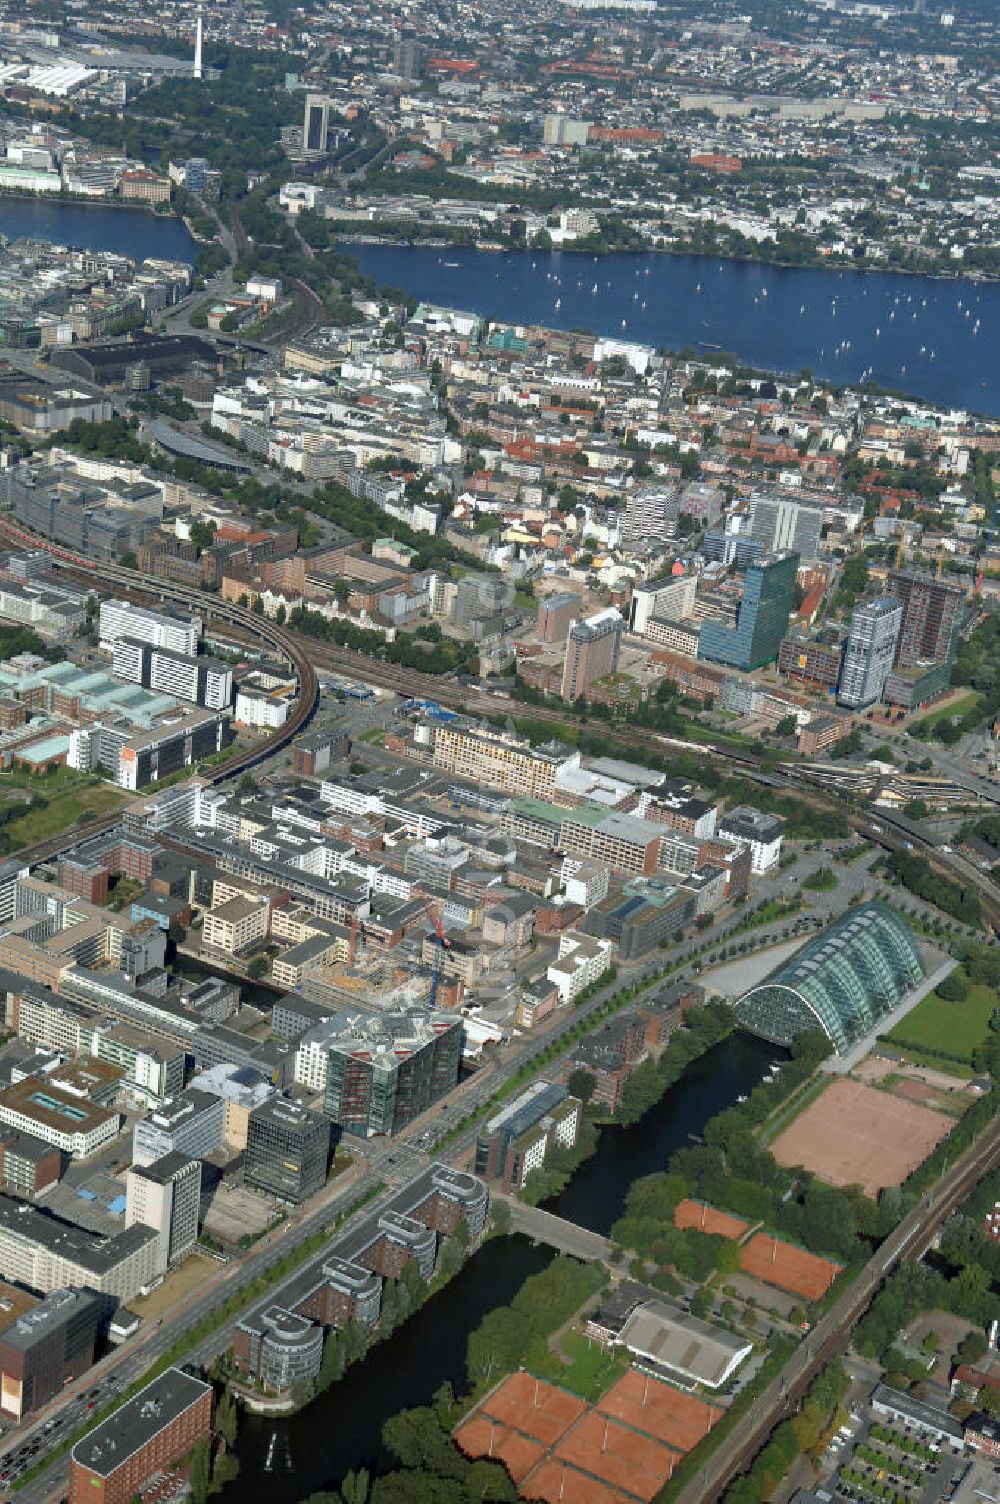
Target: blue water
{"x": 775, "y": 318}
{"x": 131, "y": 232}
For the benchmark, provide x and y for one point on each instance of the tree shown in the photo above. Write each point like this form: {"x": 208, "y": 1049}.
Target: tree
{"x": 355, "y": 1486}
{"x": 581, "y": 1083}
{"x": 258, "y": 966}
{"x": 787, "y": 726}
{"x": 953, "y": 989}
{"x": 973, "y": 1347}
{"x": 200, "y": 1473}
{"x": 227, "y": 1418}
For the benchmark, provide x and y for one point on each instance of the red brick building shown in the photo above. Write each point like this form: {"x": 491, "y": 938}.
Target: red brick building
{"x": 159, "y": 1426}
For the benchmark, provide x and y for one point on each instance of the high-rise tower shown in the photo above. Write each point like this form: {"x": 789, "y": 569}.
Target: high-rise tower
{"x": 197, "y": 69}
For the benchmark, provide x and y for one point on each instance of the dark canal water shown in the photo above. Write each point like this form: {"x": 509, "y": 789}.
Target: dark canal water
{"x": 934, "y": 339}
{"x": 284, "y": 1460}
{"x": 251, "y": 992}
{"x": 130, "y": 232}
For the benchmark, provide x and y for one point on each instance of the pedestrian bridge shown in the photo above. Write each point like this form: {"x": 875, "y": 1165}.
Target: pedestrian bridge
{"x": 566, "y": 1237}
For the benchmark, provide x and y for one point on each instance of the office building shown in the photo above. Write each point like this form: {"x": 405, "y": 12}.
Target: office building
{"x": 762, "y": 621}
{"x": 515, "y": 1142}
{"x": 670, "y": 598}
{"x": 28, "y": 1164}
{"x": 59, "y": 1118}
{"x": 242, "y": 1089}
{"x": 500, "y": 759}
{"x": 762, "y": 833}
{"x": 288, "y": 1150}
{"x": 165, "y": 1196}
{"x": 162, "y": 1423}
{"x": 278, "y": 1348}
{"x": 582, "y": 961}
{"x": 191, "y": 1124}
{"x": 162, "y": 629}
{"x": 383, "y": 1070}
{"x": 555, "y": 615}
{"x": 202, "y": 680}
{"x": 46, "y": 1346}
{"x": 932, "y": 618}
{"x": 47, "y": 1253}
{"x": 592, "y": 649}
{"x": 316, "y": 123}
{"x": 781, "y": 522}
{"x": 870, "y": 651}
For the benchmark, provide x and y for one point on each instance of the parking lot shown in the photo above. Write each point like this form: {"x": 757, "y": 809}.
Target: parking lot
{"x": 879, "y": 1462}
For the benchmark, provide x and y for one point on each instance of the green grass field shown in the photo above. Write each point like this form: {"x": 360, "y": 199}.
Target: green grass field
{"x": 963, "y": 705}
{"x": 591, "y": 1370}
{"x": 67, "y": 806}
{"x": 953, "y": 1028}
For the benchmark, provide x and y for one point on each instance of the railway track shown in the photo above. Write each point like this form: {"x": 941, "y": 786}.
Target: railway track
{"x": 831, "y": 1335}
{"x": 283, "y": 644}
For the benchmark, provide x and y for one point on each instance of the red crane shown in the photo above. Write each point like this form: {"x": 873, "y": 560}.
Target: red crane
{"x": 436, "y": 917}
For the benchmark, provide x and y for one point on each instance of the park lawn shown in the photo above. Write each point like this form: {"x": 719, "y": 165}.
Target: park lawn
{"x": 67, "y": 807}
{"x": 964, "y": 705}
{"x": 954, "y": 1028}
{"x": 591, "y": 1370}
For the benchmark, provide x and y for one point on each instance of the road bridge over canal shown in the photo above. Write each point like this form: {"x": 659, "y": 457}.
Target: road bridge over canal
{"x": 566, "y": 1237}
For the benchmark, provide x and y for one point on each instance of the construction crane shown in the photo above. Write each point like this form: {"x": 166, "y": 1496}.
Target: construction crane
{"x": 436, "y": 917}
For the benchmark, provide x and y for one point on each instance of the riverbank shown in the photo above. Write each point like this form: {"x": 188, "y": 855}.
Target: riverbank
{"x": 930, "y": 337}
{"x": 470, "y": 241}
{"x": 341, "y": 1430}
{"x": 98, "y": 225}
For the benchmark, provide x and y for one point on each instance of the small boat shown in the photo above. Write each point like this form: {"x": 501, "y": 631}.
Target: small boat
{"x": 450, "y": 264}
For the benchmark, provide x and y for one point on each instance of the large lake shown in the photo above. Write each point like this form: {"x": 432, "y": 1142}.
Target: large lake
{"x": 933, "y": 339}
{"x": 99, "y": 227}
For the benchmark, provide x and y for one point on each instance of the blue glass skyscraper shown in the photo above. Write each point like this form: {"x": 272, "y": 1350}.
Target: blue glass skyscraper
{"x": 762, "y": 621}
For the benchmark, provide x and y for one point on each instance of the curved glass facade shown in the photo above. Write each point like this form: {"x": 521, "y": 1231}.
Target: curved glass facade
{"x": 842, "y": 982}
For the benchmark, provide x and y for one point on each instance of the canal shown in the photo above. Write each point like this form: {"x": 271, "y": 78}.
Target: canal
{"x": 341, "y": 1430}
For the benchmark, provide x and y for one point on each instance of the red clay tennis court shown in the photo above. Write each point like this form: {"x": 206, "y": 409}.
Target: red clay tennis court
{"x": 671, "y": 1416}
{"x": 601, "y": 1447}
{"x": 705, "y": 1218}
{"x": 767, "y": 1258}
{"x": 482, "y": 1437}
{"x": 557, "y": 1483}
{"x": 534, "y": 1407}
{"x": 857, "y": 1135}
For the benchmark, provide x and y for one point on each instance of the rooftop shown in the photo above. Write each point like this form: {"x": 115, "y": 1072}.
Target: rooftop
{"x": 109, "y": 1445}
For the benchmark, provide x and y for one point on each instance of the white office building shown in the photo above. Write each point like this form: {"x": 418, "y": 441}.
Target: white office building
{"x": 162, "y": 629}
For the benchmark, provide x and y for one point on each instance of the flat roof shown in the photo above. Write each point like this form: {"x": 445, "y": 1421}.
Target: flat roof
{"x": 136, "y": 1423}
{"x": 57, "y": 1110}
{"x": 681, "y": 1342}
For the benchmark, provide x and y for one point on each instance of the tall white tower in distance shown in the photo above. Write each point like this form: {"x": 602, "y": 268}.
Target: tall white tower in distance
{"x": 197, "y": 70}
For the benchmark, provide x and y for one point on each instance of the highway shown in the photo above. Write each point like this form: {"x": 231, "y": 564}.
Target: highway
{"x": 832, "y": 1332}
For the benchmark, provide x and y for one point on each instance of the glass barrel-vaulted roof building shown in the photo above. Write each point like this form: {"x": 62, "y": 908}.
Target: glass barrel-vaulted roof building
{"x": 842, "y": 982}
